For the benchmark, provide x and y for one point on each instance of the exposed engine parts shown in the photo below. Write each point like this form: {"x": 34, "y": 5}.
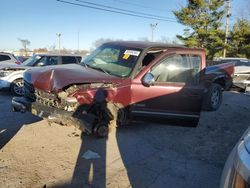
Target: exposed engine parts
{"x": 99, "y": 117}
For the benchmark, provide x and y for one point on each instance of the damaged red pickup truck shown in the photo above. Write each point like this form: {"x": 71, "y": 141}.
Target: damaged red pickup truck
{"x": 121, "y": 80}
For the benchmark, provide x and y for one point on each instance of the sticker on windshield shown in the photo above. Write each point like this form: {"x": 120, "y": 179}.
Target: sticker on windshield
{"x": 126, "y": 56}
{"x": 132, "y": 52}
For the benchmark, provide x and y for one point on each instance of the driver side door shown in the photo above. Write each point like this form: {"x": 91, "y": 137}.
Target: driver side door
{"x": 176, "y": 91}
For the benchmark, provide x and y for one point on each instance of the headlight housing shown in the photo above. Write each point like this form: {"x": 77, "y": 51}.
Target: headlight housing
{"x": 239, "y": 182}
{"x": 236, "y": 172}
{"x": 241, "y": 175}
{"x": 5, "y": 73}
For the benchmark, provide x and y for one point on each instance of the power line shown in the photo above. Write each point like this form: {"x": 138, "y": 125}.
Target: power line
{"x": 115, "y": 11}
{"x": 140, "y": 5}
{"x": 124, "y": 10}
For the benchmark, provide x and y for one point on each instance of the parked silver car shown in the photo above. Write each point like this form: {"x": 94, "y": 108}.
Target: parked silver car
{"x": 11, "y": 74}
{"x": 236, "y": 172}
{"x": 8, "y": 58}
{"x": 241, "y": 73}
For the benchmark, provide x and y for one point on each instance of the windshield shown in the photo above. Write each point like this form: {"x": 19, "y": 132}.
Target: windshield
{"x": 32, "y": 60}
{"x": 114, "y": 60}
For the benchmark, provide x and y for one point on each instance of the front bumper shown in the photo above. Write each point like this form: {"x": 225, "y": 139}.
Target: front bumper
{"x": 83, "y": 121}
{"x": 21, "y": 104}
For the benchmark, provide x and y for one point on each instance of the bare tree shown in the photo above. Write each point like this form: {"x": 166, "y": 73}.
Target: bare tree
{"x": 25, "y": 43}
{"x": 100, "y": 41}
{"x": 168, "y": 40}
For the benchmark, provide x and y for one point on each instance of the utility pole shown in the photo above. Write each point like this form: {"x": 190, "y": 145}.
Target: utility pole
{"x": 153, "y": 26}
{"x": 78, "y": 40}
{"x": 59, "y": 41}
{"x": 228, "y": 9}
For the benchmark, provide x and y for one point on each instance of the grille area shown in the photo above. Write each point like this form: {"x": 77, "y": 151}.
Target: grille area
{"x": 47, "y": 99}
{"x": 40, "y": 96}
{"x": 29, "y": 91}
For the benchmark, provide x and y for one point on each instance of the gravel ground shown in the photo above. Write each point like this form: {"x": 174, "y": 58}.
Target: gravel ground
{"x": 147, "y": 154}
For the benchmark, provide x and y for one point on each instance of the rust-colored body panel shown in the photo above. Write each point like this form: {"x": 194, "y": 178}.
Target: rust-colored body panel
{"x": 54, "y": 78}
{"x": 94, "y": 100}
{"x": 171, "y": 97}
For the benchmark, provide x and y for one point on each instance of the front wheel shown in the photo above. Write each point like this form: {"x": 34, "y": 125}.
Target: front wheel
{"x": 16, "y": 87}
{"x": 213, "y": 98}
{"x": 102, "y": 130}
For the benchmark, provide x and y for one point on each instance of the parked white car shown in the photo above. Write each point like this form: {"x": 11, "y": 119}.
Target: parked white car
{"x": 8, "y": 58}
{"x": 11, "y": 74}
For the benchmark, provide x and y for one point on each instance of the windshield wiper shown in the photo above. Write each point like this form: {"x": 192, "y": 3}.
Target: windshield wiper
{"x": 100, "y": 69}
{"x": 85, "y": 65}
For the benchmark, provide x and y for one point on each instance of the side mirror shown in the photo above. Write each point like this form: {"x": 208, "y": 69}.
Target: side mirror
{"x": 40, "y": 64}
{"x": 148, "y": 79}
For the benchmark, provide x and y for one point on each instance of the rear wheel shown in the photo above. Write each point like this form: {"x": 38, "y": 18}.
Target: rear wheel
{"x": 16, "y": 87}
{"x": 213, "y": 98}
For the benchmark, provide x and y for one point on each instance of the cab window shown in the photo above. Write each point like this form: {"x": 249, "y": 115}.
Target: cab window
{"x": 45, "y": 61}
{"x": 70, "y": 60}
{"x": 179, "y": 68}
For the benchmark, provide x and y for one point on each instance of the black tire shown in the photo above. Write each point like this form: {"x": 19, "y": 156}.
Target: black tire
{"x": 16, "y": 87}
{"x": 102, "y": 130}
{"x": 213, "y": 98}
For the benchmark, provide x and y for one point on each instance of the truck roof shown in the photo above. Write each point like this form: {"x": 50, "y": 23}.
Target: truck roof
{"x": 145, "y": 44}
{"x": 56, "y": 54}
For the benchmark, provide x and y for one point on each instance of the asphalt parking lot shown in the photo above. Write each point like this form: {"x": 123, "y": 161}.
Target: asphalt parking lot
{"x": 142, "y": 154}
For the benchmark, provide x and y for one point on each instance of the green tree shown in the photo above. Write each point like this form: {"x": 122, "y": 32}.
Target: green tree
{"x": 239, "y": 42}
{"x": 203, "y": 20}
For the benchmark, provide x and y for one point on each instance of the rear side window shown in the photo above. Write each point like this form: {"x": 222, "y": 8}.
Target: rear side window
{"x": 70, "y": 60}
{"x": 4, "y": 58}
{"x": 51, "y": 60}
{"x": 242, "y": 63}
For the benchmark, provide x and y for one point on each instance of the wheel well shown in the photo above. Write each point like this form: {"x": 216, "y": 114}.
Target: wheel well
{"x": 220, "y": 81}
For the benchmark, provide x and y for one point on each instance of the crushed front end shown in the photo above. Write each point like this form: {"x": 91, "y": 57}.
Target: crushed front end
{"x": 82, "y": 105}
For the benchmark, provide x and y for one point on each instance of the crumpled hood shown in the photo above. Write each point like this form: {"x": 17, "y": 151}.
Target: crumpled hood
{"x": 11, "y": 66}
{"x": 54, "y": 78}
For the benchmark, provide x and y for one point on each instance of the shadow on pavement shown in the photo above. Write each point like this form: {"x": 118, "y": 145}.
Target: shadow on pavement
{"x": 11, "y": 122}
{"x": 127, "y": 147}
{"x": 90, "y": 172}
